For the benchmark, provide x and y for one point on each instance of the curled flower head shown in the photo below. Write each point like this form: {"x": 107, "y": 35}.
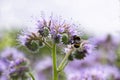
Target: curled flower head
{"x": 81, "y": 49}
{"x": 29, "y": 38}
{"x": 27, "y": 35}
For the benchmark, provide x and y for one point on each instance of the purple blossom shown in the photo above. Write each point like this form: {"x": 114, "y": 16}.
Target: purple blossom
{"x": 61, "y": 29}
{"x": 26, "y": 35}
{"x": 56, "y": 26}
{"x": 98, "y": 72}
{"x": 4, "y": 78}
{"x": 40, "y": 24}
{"x": 2, "y": 67}
{"x": 13, "y": 63}
{"x": 89, "y": 47}
{"x": 3, "y": 70}
{"x": 11, "y": 54}
{"x": 108, "y": 42}
{"x": 72, "y": 31}
{"x": 23, "y": 39}
{"x": 106, "y": 47}
{"x": 51, "y": 28}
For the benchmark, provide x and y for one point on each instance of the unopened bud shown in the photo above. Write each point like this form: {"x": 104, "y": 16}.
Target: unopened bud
{"x": 56, "y": 39}
{"x": 65, "y": 39}
{"x": 45, "y": 32}
{"x": 41, "y": 44}
{"x": 80, "y": 54}
{"x": 32, "y": 45}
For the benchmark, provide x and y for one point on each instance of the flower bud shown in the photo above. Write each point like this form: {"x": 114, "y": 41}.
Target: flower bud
{"x": 21, "y": 62}
{"x": 18, "y": 72}
{"x": 44, "y": 32}
{"x": 41, "y": 44}
{"x": 32, "y": 45}
{"x": 80, "y": 54}
{"x": 56, "y": 39}
{"x": 65, "y": 39}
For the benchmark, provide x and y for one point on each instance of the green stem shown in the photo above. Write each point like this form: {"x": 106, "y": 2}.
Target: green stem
{"x": 31, "y": 76}
{"x": 47, "y": 44}
{"x": 64, "y": 65}
{"x": 55, "y": 74}
{"x": 64, "y": 62}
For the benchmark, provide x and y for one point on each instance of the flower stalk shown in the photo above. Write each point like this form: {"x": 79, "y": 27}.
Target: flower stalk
{"x": 47, "y": 44}
{"x": 55, "y": 73}
{"x": 64, "y": 61}
{"x": 31, "y": 75}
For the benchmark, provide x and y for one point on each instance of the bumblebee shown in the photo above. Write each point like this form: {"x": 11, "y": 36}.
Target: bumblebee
{"x": 76, "y": 41}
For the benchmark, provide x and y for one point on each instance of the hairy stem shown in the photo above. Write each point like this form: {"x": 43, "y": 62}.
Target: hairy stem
{"x": 47, "y": 44}
{"x": 64, "y": 61}
{"x": 31, "y": 76}
{"x": 55, "y": 74}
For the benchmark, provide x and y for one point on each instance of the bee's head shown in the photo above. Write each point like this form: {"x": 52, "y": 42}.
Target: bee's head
{"x": 76, "y": 41}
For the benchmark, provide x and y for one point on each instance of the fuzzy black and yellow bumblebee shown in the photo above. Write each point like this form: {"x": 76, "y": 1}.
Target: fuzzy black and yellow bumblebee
{"x": 76, "y": 41}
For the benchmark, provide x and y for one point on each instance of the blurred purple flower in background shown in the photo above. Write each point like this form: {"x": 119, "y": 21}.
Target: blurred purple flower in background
{"x": 100, "y": 64}
{"x": 95, "y": 73}
{"x": 43, "y": 69}
{"x": 11, "y": 54}
{"x": 14, "y": 64}
{"x": 3, "y": 70}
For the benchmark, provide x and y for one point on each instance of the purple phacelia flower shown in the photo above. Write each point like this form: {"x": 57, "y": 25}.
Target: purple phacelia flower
{"x": 72, "y": 32}
{"x": 23, "y": 39}
{"x": 98, "y": 72}
{"x": 48, "y": 29}
{"x": 61, "y": 29}
{"x": 14, "y": 64}
{"x": 27, "y": 35}
{"x": 105, "y": 48}
{"x": 89, "y": 47}
{"x": 11, "y": 54}
{"x": 18, "y": 68}
{"x": 2, "y": 67}
{"x": 4, "y": 70}
{"x": 18, "y": 62}
{"x": 80, "y": 48}
{"x": 106, "y": 42}
{"x": 56, "y": 26}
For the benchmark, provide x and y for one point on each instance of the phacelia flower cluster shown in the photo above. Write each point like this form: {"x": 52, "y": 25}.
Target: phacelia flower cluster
{"x": 14, "y": 65}
{"x": 54, "y": 30}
